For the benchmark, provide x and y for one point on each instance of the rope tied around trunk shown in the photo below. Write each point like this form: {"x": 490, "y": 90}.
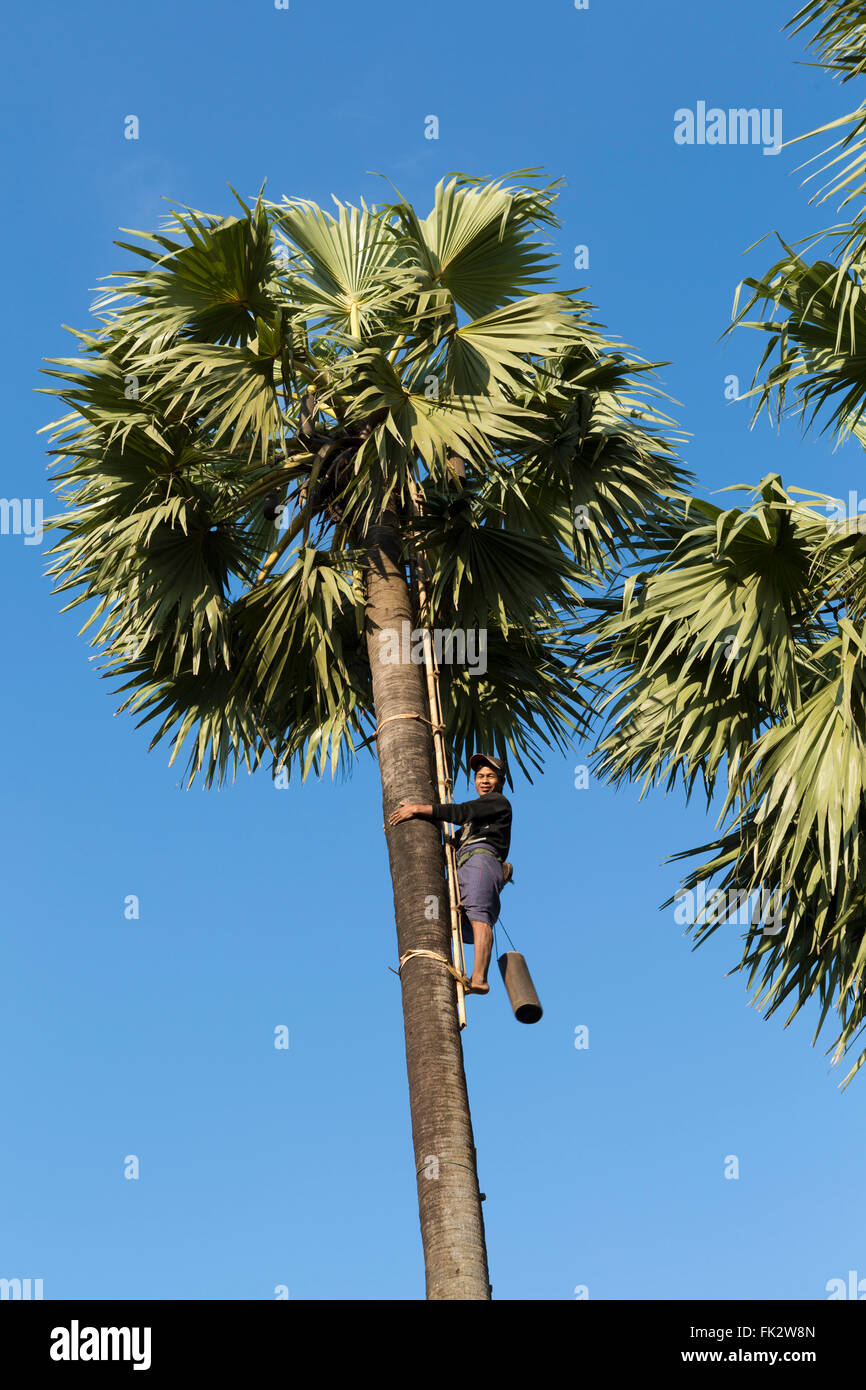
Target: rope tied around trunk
{"x": 433, "y": 955}
{"x": 436, "y": 728}
{"x": 452, "y": 1163}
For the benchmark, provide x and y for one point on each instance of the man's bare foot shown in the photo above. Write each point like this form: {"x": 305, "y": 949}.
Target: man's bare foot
{"x": 481, "y": 988}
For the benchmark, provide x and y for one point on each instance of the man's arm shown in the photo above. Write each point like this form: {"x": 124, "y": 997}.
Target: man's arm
{"x": 407, "y": 810}
{"x": 455, "y": 812}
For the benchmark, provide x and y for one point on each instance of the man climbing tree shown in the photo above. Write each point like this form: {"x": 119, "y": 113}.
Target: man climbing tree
{"x": 482, "y": 847}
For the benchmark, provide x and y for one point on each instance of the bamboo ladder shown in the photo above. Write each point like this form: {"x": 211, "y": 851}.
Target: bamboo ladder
{"x": 443, "y": 773}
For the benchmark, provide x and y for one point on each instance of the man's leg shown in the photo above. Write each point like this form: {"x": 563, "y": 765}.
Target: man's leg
{"x": 483, "y": 934}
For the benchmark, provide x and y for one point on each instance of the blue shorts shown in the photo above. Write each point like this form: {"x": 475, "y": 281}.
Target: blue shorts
{"x": 481, "y": 880}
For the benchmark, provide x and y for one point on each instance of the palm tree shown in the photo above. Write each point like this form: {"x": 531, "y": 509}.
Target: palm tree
{"x": 739, "y": 655}
{"x": 280, "y": 423}
{"x": 737, "y": 646}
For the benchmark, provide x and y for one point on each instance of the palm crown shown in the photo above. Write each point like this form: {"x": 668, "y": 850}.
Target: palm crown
{"x": 320, "y": 369}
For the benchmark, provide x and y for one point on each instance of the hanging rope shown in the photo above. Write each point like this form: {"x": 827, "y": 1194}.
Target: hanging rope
{"x": 510, "y": 942}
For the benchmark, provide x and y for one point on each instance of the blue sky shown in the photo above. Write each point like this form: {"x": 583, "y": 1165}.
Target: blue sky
{"x": 604, "y": 1167}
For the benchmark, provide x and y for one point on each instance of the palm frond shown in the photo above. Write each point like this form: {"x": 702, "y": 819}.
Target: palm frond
{"x": 712, "y": 642}
{"x": 481, "y": 243}
{"x": 819, "y": 343}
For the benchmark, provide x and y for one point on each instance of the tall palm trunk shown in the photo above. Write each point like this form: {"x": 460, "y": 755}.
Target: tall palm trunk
{"x": 452, "y": 1227}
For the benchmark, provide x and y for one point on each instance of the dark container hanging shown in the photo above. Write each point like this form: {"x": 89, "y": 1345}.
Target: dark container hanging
{"x": 521, "y": 990}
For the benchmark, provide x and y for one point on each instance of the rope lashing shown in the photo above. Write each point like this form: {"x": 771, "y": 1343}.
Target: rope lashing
{"x": 436, "y": 728}
{"x": 433, "y": 955}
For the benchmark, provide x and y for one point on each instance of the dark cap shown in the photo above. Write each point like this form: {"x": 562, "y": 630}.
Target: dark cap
{"x": 481, "y": 760}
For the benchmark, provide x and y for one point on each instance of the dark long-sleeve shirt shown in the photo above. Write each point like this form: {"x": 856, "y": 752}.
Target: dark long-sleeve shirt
{"x": 487, "y": 818}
